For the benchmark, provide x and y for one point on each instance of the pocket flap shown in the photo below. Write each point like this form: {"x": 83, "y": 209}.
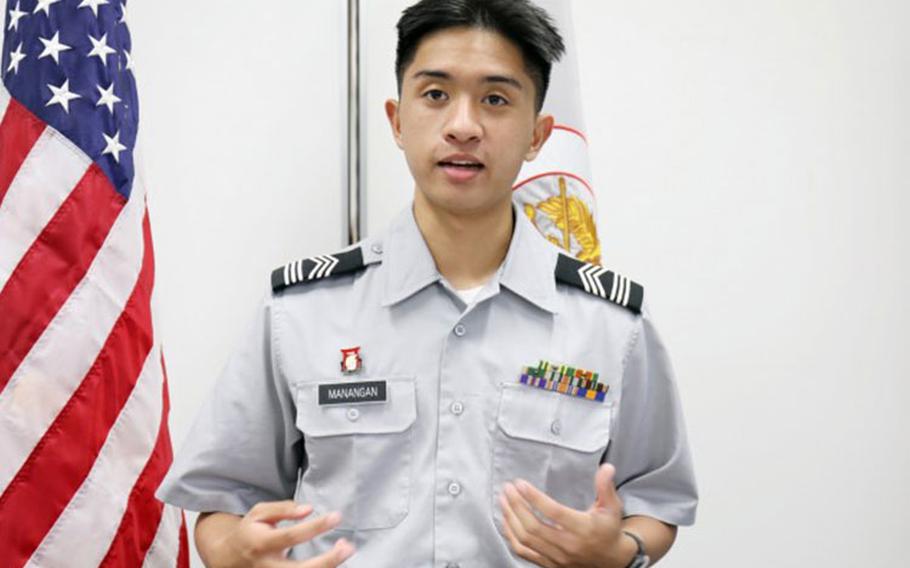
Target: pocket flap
{"x": 396, "y": 414}
{"x": 544, "y": 416}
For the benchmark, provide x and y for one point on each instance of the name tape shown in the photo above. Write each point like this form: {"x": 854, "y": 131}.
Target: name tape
{"x": 348, "y": 393}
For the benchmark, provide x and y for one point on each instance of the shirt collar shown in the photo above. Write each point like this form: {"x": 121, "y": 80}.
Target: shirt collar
{"x": 528, "y": 269}
{"x": 407, "y": 262}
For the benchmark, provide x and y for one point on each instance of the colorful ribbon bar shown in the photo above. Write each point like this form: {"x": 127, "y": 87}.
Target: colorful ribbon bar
{"x": 565, "y": 380}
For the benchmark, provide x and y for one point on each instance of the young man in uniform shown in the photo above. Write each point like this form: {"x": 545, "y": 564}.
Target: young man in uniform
{"x": 457, "y": 391}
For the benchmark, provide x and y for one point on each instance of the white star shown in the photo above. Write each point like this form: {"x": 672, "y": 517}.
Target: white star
{"x": 123, "y": 13}
{"x": 53, "y": 47}
{"x": 113, "y": 146}
{"x": 15, "y": 58}
{"x": 100, "y": 48}
{"x": 93, "y": 4}
{"x": 45, "y": 6}
{"x": 14, "y": 16}
{"x": 129, "y": 60}
{"x": 108, "y": 98}
{"x": 62, "y": 95}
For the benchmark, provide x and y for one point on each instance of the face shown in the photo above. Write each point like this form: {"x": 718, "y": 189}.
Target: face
{"x": 466, "y": 120}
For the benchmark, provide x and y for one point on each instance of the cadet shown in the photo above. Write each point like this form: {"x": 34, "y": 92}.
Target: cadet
{"x": 456, "y": 391}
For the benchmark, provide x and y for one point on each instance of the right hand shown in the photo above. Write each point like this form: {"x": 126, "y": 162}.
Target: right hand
{"x": 256, "y": 541}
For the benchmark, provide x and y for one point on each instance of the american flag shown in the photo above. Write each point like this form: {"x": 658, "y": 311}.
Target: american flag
{"x": 83, "y": 393}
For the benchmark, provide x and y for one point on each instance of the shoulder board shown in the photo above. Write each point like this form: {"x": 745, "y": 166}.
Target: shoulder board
{"x": 597, "y": 280}
{"x": 317, "y": 268}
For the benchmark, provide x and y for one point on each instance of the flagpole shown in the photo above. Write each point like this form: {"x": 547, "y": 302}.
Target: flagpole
{"x": 354, "y": 209}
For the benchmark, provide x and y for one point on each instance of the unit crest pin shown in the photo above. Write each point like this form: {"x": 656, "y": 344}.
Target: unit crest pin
{"x": 351, "y": 361}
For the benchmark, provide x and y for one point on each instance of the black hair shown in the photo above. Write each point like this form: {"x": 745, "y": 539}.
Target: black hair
{"x": 526, "y": 25}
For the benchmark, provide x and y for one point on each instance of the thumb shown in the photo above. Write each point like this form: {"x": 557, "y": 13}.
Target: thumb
{"x": 605, "y": 489}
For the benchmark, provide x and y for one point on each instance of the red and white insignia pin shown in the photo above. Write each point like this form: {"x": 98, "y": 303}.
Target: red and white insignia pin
{"x": 350, "y": 360}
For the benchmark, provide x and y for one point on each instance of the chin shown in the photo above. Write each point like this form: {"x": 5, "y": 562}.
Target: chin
{"x": 459, "y": 200}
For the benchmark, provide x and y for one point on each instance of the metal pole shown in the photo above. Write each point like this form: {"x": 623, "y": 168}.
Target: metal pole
{"x": 353, "y": 146}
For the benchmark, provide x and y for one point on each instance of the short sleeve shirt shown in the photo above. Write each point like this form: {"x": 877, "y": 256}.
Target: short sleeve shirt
{"x": 417, "y": 475}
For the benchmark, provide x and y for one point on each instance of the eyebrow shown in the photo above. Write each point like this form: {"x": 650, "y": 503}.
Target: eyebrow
{"x": 505, "y": 79}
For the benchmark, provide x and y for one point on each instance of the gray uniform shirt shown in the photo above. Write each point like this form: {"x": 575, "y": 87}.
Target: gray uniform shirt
{"x": 416, "y": 477}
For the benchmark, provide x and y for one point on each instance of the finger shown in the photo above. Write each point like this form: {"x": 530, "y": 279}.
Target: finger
{"x": 273, "y": 511}
{"x": 530, "y": 530}
{"x": 339, "y": 553}
{"x": 564, "y": 517}
{"x": 286, "y": 537}
{"x": 605, "y": 489}
{"x": 520, "y": 549}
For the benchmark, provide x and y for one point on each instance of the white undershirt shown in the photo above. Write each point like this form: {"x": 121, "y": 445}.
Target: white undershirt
{"x": 468, "y": 295}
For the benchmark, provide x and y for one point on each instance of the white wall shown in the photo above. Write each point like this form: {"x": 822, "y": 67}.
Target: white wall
{"x": 751, "y": 161}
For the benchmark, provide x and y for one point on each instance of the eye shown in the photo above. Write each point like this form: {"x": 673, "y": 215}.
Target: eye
{"x": 435, "y": 95}
{"x": 496, "y": 100}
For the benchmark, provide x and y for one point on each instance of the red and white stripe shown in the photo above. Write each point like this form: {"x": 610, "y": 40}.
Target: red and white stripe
{"x": 83, "y": 391}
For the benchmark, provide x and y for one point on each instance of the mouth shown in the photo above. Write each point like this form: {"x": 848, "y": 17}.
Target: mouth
{"x": 461, "y": 168}
{"x": 461, "y": 164}
{"x": 458, "y": 171}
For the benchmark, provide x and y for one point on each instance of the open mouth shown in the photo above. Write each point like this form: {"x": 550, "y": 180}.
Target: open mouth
{"x": 461, "y": 164}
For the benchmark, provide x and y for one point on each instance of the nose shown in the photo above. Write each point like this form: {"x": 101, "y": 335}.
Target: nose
{"x": 463, "y": 124}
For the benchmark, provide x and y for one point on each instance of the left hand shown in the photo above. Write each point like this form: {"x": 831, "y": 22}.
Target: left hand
{"x": 566, "y": 536}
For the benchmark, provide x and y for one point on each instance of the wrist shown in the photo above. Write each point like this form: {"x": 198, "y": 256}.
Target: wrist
{"x": 622, "y": 553}
{"x": 639, "y": 557}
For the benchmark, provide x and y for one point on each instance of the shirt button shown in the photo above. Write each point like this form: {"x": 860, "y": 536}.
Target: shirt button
{"x": 377, "y": 248}
{"x": 460, "y": 330}
{"x": 457, "y": 408}
{"x": 556, "y": 427}
{"x": 454, "y": 489}
{"x": 353, "y": 414}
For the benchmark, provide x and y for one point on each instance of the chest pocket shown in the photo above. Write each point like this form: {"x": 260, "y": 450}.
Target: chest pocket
{"x": 554, "y": 441}
{"x": 359, "y": 455}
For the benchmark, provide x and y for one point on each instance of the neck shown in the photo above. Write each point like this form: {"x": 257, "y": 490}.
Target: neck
{"x": 469, "y": 248}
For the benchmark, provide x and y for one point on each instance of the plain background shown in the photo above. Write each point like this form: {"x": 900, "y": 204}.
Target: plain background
{"x": 750, "y": 161}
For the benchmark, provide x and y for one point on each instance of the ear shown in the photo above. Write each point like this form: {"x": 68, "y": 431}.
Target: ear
{"x": 391, "y": 112}
{"x": 543, "y": 126}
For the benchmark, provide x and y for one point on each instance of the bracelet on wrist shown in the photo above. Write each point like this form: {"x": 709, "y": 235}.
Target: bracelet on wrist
{"x": 641, "y": 559}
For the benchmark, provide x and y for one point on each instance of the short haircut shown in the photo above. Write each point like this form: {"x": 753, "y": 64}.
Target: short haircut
{"x": 526, "y": 25}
